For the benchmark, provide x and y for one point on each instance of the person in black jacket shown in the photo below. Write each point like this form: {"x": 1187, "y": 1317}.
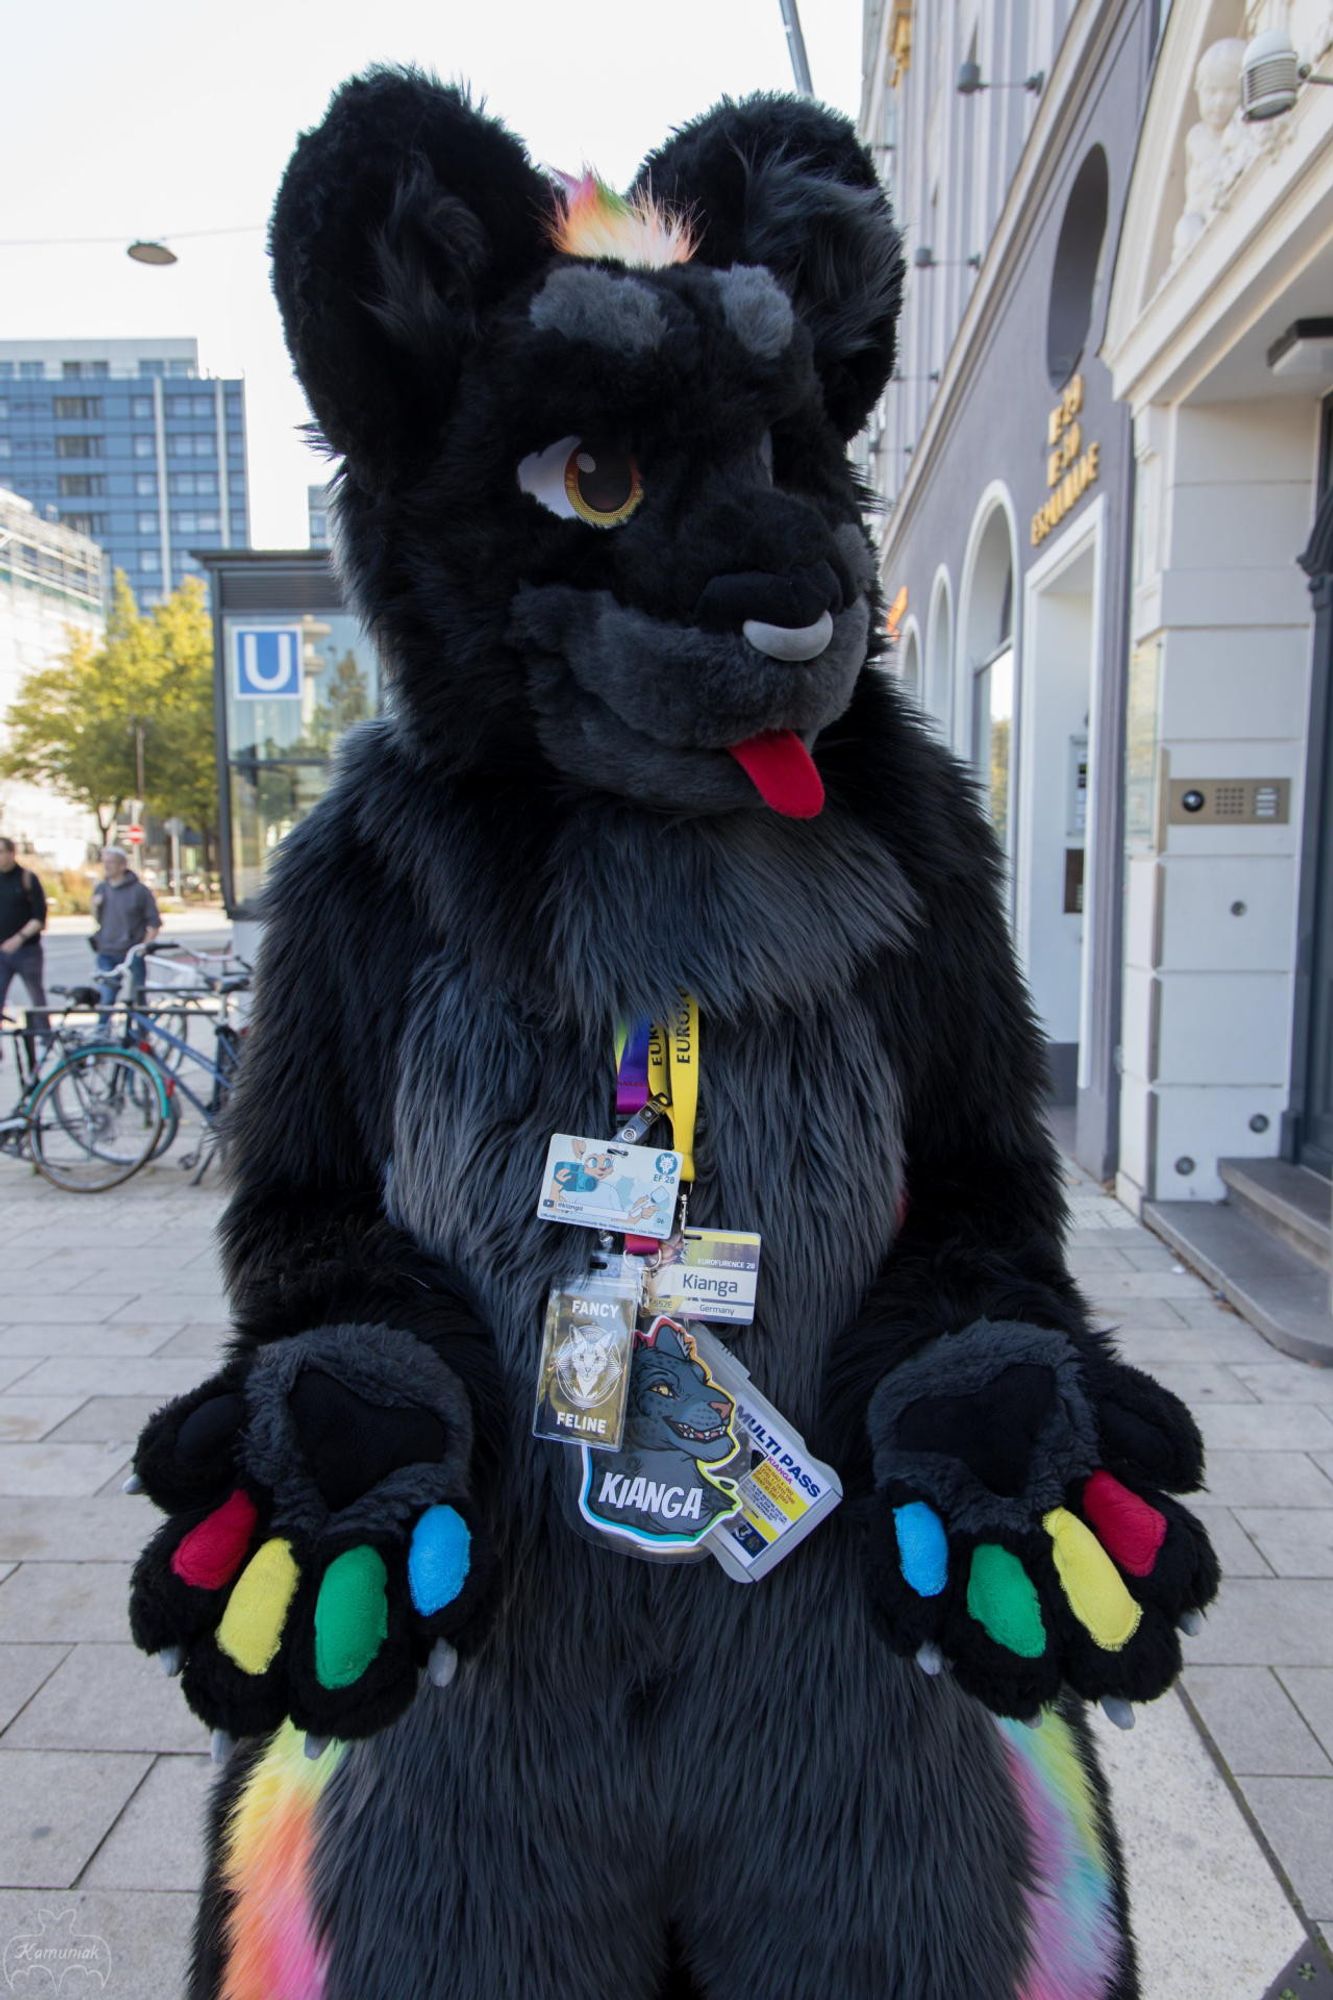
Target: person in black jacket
{"x": 22, "y": 921}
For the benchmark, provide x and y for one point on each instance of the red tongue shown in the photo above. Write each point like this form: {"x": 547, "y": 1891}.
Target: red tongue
{"x": 782, "y": 772}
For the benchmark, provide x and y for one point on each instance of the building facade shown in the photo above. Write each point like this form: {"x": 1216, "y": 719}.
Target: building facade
{"x": 1220, "y": 345}
{"x": 126, "y": 442}
{"x": 317, "y": 516}
{"x": 1007, "y": 135}
{"x": 50, "y": 584}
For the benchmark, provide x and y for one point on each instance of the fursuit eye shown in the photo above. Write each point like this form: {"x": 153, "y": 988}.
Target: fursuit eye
{"x": 659, "y": 1388}
{"x": 596, "y": 483}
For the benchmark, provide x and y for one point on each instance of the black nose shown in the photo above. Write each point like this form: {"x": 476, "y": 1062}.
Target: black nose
{"x": 795, "y": 598}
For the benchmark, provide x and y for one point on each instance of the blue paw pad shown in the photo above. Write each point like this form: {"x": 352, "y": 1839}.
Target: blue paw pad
{"x": 923, "y": 1549}
{"x": 439, "y": 1559}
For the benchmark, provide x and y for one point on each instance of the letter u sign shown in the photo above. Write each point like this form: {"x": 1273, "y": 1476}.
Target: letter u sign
{"x": 267, "y": 662}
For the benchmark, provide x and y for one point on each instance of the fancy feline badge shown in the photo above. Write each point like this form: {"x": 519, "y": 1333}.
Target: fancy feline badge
{"x": 585, "y": 1360}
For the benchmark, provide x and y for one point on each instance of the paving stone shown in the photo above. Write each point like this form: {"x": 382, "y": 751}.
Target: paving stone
{"x": 54, "y": 1469}
{"x": 106, "y": 1697}
{"x": 58, "y": 1808}
{"x": 1295, "y": 1541}
{"x": 1297, "y": 1816}
{"x": 1227, "y": 1343}
{"x": 122, "y": 1458}
{"x": 110, "y": 1420}
{"x": 23, "y": 1668}
{"x": 1101, "y": 1257}
{"x": 113, "y": 1529}
{"x": 1256, "y": 1726}
{"x": 86, "y": 1336}
{"x": 15, "y": 1371}
{"x": 66, "y": 1600}
{"x": 1211, "y": 1918}
{"x": 158, "y": 1841}
{"x": 144, "y": 1938}
{"x": 1285, "y": 1381}
{"x": 1235, "y": 1551}
{"x": 206, "y": 1340}
{"x": 156, "y": 1376}
{"x": 48, "y": 1309}
{"x": 1267, "y": 1621}
{"x": 24, "y": 1419}
{"x": 1311, "y": 1688}
{"x": 1168, "y": 1284}
{"x": 1266, "y": 1479}
{"x": 1204, "y": 1382}
{"x": 1267, "y": 1427}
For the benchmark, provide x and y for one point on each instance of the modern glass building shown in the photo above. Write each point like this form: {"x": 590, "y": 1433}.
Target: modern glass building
{"x": 125, "y": 441}
{"x": 294, "y": 671}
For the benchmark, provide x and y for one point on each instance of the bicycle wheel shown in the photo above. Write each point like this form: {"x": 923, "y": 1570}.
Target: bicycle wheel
{"x": 96, "y": 1120}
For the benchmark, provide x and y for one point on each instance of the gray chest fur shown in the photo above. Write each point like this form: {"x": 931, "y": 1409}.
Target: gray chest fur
{"x": 773, "y": 928}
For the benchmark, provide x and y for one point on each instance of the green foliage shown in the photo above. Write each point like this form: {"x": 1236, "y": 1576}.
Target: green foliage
{"x": 75, "y": 725}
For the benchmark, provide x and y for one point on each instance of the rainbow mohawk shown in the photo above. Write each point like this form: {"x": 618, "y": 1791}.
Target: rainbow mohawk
{"x": 595, "y": 221}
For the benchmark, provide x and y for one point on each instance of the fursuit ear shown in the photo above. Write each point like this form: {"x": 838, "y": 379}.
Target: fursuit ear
{"x": 400, "y": 220}
{"x": 785, "y": 183}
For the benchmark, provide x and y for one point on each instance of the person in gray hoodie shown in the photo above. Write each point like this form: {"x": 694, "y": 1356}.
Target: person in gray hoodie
{"x": 125, "y": 913}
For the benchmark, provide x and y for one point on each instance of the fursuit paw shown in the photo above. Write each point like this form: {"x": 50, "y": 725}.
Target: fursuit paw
{"x": 1019, "y": 1532}
{"x": 319, "y": 1550}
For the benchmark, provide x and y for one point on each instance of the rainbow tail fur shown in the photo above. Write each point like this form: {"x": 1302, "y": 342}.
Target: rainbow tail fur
{"x": 1077, "y": 1951}
{"x": 273, "y": 1949}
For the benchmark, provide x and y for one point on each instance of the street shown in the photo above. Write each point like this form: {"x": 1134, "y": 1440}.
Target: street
{"x": 114, "y": 1304}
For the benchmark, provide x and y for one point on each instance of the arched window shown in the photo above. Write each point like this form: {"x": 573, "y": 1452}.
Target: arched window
{"x": 990, "y": 653}
{"x": 938, "y": 698}
{"x": 1074, "y": 278}
{"x": 909, "y": 663}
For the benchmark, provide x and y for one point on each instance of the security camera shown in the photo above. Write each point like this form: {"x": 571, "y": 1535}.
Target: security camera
{"x": 1270, "y": 77}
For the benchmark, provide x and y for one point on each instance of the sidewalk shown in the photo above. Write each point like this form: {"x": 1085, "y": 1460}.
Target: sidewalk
{"x": 112, "y": 1304}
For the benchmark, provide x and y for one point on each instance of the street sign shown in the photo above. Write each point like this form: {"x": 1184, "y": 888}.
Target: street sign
{"x": 134, "y": 834}
{"x": 267, "y": 662}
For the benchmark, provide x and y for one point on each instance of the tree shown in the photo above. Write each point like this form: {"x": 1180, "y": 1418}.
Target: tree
{"x": 77, "y": 724}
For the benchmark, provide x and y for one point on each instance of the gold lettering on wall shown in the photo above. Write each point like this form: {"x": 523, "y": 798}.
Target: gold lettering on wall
{"x": 1071, "y": 467}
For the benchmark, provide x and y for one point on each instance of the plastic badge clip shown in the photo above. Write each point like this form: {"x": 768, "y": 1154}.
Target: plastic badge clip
{"x": 636, "y": 1129}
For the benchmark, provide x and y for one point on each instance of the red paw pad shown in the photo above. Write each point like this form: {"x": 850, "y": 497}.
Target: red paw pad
{"x": 212, "y": 1552}
{"x": 1128, "y": 1529}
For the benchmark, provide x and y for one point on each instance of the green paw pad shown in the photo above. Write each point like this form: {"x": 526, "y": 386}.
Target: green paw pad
{"x": 1003, "y": 1599}
{"x": 351, "y": 1617}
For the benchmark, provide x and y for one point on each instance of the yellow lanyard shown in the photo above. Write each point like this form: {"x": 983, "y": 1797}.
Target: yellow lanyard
{"x": 673, "y": 1073}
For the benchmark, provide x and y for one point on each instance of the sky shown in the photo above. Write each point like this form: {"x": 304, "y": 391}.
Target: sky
{"x": 153, "y": 119}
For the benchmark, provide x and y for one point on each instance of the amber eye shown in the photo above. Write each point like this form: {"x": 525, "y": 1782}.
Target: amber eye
{"x": 596, "y": 483}
{"x": 603, "y": 485}
{"x": 659, "y": 1388}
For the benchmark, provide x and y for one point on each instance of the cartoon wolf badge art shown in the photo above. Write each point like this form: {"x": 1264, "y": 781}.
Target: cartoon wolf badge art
{"x": 662, "y": 1489}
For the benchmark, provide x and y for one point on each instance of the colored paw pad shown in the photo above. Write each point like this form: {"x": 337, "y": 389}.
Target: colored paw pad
{"x": 1002, "y": 1597}
{"x": 351, "y": 1615}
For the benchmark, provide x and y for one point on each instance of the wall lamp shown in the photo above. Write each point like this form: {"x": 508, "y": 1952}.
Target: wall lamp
{"x": 970, "y": 81}
{"x": 924, "y": 259}
{"x": 1271, "y": 76}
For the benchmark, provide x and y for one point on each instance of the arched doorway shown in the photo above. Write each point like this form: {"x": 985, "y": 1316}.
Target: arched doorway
{"x": 938, "y": 696}
{"x": 987, "y": 725}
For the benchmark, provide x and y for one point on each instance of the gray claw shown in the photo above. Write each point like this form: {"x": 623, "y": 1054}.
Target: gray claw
{"x": 315, "y": 1746}
{"x": 220, "y": 1746}
{"x": 1119, "y": 1711}
{"x": 132, "y": 1485}
{"x": 171, "y": 1659}
{"x": 930, "y": 1659}
{"x": 1190, "y": 1623}
{"x": 442, "y": 1664}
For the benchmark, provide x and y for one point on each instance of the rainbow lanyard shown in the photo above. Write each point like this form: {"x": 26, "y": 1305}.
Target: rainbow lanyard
{"x": 660, "y": 1061}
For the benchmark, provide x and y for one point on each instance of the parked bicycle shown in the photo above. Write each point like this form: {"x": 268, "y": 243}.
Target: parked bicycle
{"x": 87, "y": 1115}
{"x": 195, "y": 1078}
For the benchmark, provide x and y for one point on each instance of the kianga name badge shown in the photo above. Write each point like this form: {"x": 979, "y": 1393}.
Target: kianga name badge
{"x": 706, "y": 1274}
{"x": 604, "y": 1184}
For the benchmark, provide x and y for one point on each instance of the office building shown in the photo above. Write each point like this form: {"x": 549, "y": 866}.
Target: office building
{"x": 126, "y": 442}
{"x": 317, "y": 516}
{"x": 50, "y": 585}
